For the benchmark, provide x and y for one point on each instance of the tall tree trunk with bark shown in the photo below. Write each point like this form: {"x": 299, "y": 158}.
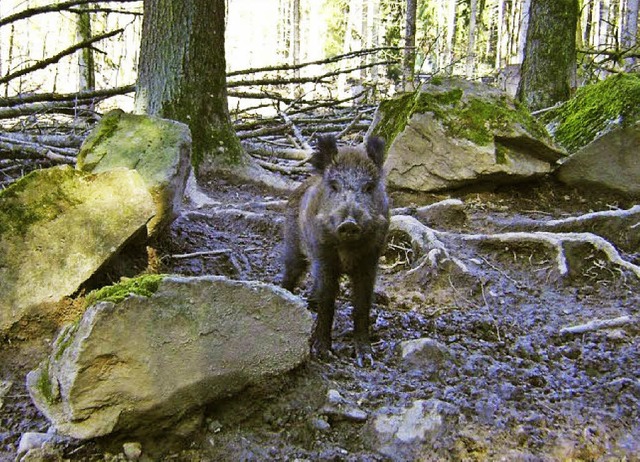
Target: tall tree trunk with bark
{"x": 86, "y": 64}
{"x": 548, "y": 69}
{"x": 630, "y": 31}
{"x": 471, "y": 44}
{"x": 409, "y": 58}
{"x": 182, "y": 74}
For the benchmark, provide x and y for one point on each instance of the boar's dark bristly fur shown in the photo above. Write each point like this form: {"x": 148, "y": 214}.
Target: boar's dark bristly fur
{"x": 337, "y": 221}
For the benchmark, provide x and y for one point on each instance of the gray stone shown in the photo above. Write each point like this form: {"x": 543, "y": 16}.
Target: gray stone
{"x": 405, "y": 434}
{"x": 132, "y": 450}
{"x": 36, "y": 440}
{"x": 610, "y": 163}
{"x": 424, "y": 353}
{"x": 159, "y": 149}
{"x": 57, "y": 228}
{"x": 460, "y": 133}
{"x": 149, "y": 361}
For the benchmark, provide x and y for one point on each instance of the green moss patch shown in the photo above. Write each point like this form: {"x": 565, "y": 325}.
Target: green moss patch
{"x": 594, "y": 108}
{"x": 463, "y": 115}
{"x": 145, "y": 286}
{"x": 22, "y": 205}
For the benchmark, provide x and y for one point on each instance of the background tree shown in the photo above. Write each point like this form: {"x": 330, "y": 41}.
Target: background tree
{"x": 182, "y": 76}
{"x": 548, "y": 69}
{"x": 409, "y": 58}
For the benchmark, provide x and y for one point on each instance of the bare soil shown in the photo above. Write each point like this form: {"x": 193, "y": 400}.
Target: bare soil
{"x": 520, "y": 389}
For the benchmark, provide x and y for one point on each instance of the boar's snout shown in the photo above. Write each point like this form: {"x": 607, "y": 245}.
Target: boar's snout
{"x": 349, "y": 230}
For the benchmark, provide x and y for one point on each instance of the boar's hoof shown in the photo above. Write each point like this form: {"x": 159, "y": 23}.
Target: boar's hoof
{"x": 321, "y": 350}
{"x": 364, "y": 354}
{"x": 349, "y": 229}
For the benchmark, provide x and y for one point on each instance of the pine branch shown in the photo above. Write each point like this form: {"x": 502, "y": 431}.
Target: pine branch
{"x": 298, "y": 80}
{"x": 80, "y": 96}
{"x": 29, "y": 12}
{"x": 54, "y": 59}
{"x": 293, "y": 67}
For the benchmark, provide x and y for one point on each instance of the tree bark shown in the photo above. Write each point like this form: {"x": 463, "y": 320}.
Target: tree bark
{"x": 630, "y": 31}
{"x": 471, "y": 44}
{"x": 548, "y": 69}
{"x": 182, "y": 76}
{"x": 86, "y": 64}
{"x": 409, "y": 58}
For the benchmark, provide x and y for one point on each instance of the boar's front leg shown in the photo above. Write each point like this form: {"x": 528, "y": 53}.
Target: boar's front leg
{"x": 325, "y": 290}
{"x": 363, "y": 281}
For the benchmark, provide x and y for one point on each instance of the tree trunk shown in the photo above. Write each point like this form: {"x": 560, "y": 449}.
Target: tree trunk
{"x": 451, "y": 34}
{"x": 630, "y": 31}
{"x": 409, "y": 58}
{"x": 471, "y": 45}
{"x": 295, "y": 33}
{"x": 499, "y": 34}
{"x": 87, "y": 79}
{"x": 548, "y": 70}
{"x": 524, "y": 26}
{"x": 182, "y": 76}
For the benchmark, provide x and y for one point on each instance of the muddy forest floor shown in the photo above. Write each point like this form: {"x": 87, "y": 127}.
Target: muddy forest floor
{"x": 520, "y": 389}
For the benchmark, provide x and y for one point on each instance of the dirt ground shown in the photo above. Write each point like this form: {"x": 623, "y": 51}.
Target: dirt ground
{"x": 519, "y": 389}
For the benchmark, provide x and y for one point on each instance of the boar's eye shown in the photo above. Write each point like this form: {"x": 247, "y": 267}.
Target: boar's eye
{"x": 368, "y": 187}
{"x": 334, "y": 185}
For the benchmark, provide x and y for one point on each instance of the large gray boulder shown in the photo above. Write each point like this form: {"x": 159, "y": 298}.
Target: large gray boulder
{"x": 148, "y": 360}
{"x": 610, "y": 163}
{"x": 457, "y": 133}
{"x": 159, "y": 149}
{"x": 57, "y": 228}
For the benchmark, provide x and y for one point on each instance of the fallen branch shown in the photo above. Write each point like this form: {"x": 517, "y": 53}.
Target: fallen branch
{"x": 55, "y": 58}
{"x": 30, "y": 12}
{"x": 598, "y": 324}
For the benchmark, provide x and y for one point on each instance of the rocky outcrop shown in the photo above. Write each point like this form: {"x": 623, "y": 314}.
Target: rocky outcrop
{"x": 610, "y": 163}
{"x": 148, "y": 360}
{"x": 57, "y": 227}
{"x": 159, "y": 149}
{"x": 458, "y": 133}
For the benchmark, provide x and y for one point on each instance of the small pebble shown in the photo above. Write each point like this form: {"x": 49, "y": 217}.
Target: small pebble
{"x": 133, "y": 451}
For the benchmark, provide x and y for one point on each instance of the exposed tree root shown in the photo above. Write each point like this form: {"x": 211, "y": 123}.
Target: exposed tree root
{"x": 434, "y": 247}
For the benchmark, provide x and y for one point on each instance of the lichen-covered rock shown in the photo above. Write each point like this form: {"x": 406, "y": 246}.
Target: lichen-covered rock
{"x": 595, "y": 110}
{"x": 456, "y": 133}
{"x": 610, "y": 163}
{"x": 149, "y": 360}
{"x": 159, "y": 149}
{"x": 57, "y": 227}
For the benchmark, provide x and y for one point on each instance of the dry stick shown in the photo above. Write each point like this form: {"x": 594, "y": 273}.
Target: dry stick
{"x": 29, "y": 12}
{"x": 22, "y": 144}
{"x": 296, "y": 131}
{"x": 56, "y": 140}
{"x": 598, "y": 324}
{"x": 286, "y": 67}
{"x": 31, "y": 152}
{"x": 82, "y": 97}
{"x": 183, "y": 256}
{"x": 54, "y": 59}
{"x": 281, "y": 81}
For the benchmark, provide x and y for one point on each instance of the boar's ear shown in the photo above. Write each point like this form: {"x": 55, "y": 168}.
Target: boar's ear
{"x": 375, "y": 150}
{"x": 325, "y": 152}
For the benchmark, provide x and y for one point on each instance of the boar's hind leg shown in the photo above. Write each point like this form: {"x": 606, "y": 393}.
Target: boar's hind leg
{"x": 362, "y": 282}
{"x": 295, "y": 264}
{"x": 323, "y": 299}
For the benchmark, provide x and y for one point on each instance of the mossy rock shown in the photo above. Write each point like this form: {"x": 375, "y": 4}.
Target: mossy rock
{"x": 58, "y": 226}
{"x": 454, "y": 132}
{"x": 159, "y": 149}
{"x": 595, "y": 110}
